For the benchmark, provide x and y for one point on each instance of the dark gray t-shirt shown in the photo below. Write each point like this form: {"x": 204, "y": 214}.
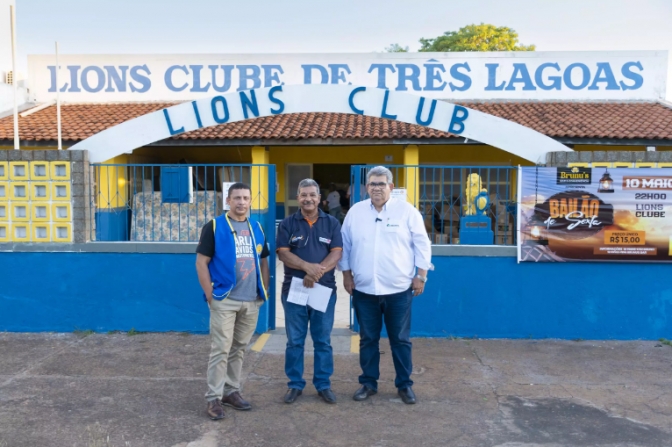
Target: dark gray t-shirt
{"x": 246, "y": 271}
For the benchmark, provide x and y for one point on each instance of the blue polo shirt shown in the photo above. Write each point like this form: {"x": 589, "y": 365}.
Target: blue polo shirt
{"x": 311, "y": 242}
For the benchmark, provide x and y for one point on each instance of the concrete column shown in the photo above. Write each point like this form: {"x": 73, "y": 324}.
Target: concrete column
{"x": 411, "y": 179}
{"x": 82, "y": 218}
{"x": 259, "y": 178}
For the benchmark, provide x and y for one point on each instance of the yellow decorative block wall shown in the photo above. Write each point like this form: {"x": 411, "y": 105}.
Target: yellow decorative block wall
{"x": 35, "y": 201}
{"x": 18, "y": 170}
{"x": 39, "y": 170}
{"x": 62, "y": 232}
{"x": 4, "y": 232}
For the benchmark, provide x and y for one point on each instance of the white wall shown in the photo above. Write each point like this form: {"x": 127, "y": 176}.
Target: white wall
{"x": 538, "y": 75}
{"x": 7, "y": 98}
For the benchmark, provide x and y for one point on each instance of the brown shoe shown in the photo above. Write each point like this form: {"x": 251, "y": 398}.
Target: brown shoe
{"x": 215, "y": 410}
{"x": 236, "y": 401}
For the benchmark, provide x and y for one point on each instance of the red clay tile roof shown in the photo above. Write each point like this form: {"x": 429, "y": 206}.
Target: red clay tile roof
{"x": 556, "y": 119}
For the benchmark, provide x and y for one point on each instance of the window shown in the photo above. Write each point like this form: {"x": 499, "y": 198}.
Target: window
{"x": 176, "y": 185}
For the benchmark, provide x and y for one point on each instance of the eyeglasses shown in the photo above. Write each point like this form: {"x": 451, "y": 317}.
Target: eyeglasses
{"x": 377, "y": 185}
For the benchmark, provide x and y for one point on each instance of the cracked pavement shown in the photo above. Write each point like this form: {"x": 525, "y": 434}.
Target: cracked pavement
{"x": 147, "y": 390}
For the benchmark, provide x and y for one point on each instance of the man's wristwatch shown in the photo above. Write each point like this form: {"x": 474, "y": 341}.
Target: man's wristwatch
{"x": 421, "y": 278}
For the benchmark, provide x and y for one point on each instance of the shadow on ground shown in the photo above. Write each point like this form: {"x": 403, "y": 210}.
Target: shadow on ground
{"x": 147, "y": 390}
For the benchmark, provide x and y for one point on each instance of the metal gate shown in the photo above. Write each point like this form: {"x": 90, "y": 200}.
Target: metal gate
{"x": 171, "y": 203}
{"x": 438, "y": 193}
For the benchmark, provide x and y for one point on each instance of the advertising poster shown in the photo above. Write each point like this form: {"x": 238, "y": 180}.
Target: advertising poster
{"x": 595, "y": 214}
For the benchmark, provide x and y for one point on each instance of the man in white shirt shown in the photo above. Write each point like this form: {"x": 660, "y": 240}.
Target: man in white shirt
{"x": 333, "y": 201}
{"x": 384, "y": 242}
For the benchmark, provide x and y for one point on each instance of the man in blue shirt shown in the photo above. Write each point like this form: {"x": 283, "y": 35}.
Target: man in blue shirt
{"x": 232, "y": 269}
{"x": 309, "y": 244}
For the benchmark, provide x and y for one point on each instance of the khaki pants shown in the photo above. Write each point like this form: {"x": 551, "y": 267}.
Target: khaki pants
{"x": 232, "y": 324}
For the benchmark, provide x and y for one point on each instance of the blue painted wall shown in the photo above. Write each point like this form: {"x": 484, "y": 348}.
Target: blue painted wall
{"x": 496, "y": 297}
{"x": 483, "y": 297}
{"x": 101, "y": 291}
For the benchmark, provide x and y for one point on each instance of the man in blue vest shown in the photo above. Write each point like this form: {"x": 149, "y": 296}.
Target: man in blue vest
{"x": 309, "y": 244}
{"x": 232, "y": 268}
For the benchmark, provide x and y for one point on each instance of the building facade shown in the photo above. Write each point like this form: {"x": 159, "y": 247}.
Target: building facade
{"x": 590, "y": 102}
{"x": 602, "y": 109}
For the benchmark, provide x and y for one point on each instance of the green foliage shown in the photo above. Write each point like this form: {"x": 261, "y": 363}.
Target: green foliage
{"x": 83, "y": 333}
{"x": 396, "y": 48}
{"x": 483, "y": 37}
{"x": 666, "y": 342}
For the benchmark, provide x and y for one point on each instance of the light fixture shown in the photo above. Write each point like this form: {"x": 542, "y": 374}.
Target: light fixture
{"x": 537, "y": 235}
{"x": 606, "y": 184}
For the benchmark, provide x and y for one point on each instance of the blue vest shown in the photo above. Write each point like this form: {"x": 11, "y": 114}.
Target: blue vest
{"x": 222, "y": 266}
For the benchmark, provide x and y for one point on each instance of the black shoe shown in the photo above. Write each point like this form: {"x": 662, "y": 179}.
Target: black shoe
{"x": 215, "y": 410}
{"x": 328, "y": 396}
{"x": 291, "y": 395}
{"x": 363, "y": 393}
{"x": 236, "y": 401}
{"x": 407, "y": 395}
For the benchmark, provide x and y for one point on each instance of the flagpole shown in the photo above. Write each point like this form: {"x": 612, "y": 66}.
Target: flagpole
{"x": 12, "y": 20}
{"x": 58, "y": 103}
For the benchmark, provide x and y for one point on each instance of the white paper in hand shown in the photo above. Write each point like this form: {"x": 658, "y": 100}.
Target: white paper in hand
{"x": 298, "y": 294}
{"x": 318, "y": 297}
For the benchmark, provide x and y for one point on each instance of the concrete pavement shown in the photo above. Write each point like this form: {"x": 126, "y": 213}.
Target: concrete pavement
{"x": 118, "y": 390}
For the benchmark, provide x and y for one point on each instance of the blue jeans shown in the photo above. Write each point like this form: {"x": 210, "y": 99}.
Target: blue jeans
{"x": 296, "y": 321}
{"x": 395, "y": 309}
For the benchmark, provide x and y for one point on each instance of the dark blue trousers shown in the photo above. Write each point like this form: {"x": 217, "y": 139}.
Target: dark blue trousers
{"x": 296, "y": 322}
{"x": 395, "y": 310}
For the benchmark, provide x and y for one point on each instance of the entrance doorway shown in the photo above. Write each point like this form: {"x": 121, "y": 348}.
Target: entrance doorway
{"x": 339, "y": 175}
{"x": 294, "y": 173}
{"x": 324, "y": 174}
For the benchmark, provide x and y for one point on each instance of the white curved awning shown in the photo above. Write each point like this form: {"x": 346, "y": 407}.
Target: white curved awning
{"x": 248, "y": 104}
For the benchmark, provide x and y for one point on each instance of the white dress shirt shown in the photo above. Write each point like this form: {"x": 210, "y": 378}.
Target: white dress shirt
{"x": 383, "y": 249}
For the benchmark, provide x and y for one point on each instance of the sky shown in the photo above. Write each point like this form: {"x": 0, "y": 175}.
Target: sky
{"x": 309, "y": 26}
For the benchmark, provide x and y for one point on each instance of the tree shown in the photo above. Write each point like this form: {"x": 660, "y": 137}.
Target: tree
{"x": 483, "y": 37}
{"x": 396, "y": 48}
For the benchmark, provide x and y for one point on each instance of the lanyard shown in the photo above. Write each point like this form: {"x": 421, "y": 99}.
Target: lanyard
{"x": 235, "y": 234}
{"x": 254, "y": 245}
